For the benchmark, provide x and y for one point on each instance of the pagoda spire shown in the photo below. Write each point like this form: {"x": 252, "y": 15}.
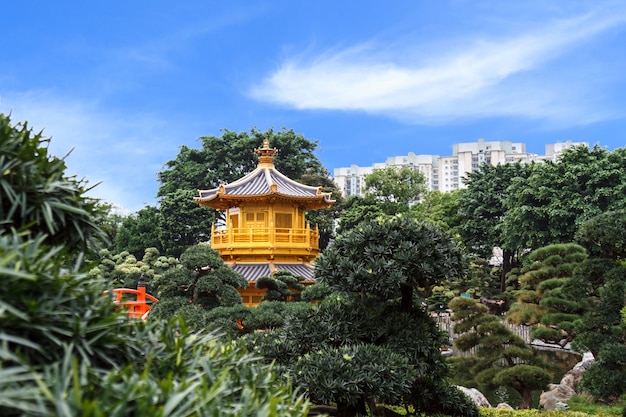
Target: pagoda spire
{"x": 266, "y": 154}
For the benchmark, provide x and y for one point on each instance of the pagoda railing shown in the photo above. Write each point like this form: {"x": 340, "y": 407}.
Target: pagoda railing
{"x": 274, "y": 237}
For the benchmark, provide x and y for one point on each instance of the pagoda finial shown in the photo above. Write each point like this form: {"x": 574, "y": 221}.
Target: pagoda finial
{"x": 266, "y": 154}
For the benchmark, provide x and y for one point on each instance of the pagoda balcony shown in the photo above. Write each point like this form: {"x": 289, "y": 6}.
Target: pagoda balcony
{"x": 271, "y": 238}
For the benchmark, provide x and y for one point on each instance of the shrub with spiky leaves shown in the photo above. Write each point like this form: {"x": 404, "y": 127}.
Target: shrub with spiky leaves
{"x": 38, "y": 198}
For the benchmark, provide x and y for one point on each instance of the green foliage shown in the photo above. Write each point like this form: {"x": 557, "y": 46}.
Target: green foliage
{"x": 204, "y": 280}
{"x": 139, "y": 231}
{"x": 439, "y": 208}
{"x": 501, "y": 358}
{"x": 603, "y": 235}
{"x": 543, "y": 299}
{"x": 606, "y": 379}
{"x": 390, "y": 258}
{"x": 357, "y": 210}
{"x": 46, "y": 309}
{"x": 183, "y": 223}
{"x": 557, "y": 197}
{"x": 38, "y": 198}
{"x": 396, "y": 187}
{"x": 495, "y": 412}
{"x": 346, "y": 374}
{"x": 281, "y": 286}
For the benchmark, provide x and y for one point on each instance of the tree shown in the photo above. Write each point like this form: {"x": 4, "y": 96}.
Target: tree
{"x": 37, "y": 197}
{"x": 439, "y": 208}
{"x": 139, "y": 231}
{"x": 501, "y": 358}
{"x": 557, "y": 197}
{"x": 358, "y": 209}
{"x": 375, "y": 270}
{"x": 396, "y": 187}
{"x": 324, "y": 219}
{"x": 396, "y": 256}
{"x": 204, "y": 282}
{"x": 542, "y": 299}
{"x": 221, "y": 160}
{"x": 602, "y": 329}
{"x": 282, "y": 286}
{"x": 482, "y": 206}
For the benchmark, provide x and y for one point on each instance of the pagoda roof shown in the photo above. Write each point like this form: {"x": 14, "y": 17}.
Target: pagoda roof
{"x": 265, "y": 182}
{"x": 252, "y": 271}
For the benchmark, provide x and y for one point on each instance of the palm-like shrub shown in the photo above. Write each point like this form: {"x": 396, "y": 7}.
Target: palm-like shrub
{"x": 36, "y": 195}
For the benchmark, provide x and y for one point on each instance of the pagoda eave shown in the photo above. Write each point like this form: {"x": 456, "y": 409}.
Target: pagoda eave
{"x": 223, "y": 202}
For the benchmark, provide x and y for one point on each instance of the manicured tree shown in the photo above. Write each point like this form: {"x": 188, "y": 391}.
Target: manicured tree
{"x": 203, "y": 281}
{"x": 377, "y": 271}
{"x": 542, "y": 300}
{"x": 282, "y": 286}
{"x": 501, "y": 358}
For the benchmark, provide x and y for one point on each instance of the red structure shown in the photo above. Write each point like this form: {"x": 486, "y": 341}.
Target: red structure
{"x": 140, "y": 306}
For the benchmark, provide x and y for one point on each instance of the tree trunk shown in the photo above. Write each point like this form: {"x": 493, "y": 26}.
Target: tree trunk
{"x": 507, "y": 265}
{"x": 407, "y": 298}
{"x": 345, "y": 410}
{"x": 527, "y": 399}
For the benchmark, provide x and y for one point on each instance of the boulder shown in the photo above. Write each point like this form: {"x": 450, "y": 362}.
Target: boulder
{"x": 476, "y": 396}
{"x": 504, "y": 406}
{"x": 557, "y": 393}
{"x": 572, "y": 377}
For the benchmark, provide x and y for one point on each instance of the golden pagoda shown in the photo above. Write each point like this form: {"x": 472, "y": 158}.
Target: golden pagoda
{"x": 264, "y": 228}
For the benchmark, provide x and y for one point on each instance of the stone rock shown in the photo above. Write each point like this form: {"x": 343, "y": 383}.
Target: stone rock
{"x": 476, "y": 396}
{"x": 557, "y": 393}
{"x": 504, "y": 406}
{"x": 572, "y": 377}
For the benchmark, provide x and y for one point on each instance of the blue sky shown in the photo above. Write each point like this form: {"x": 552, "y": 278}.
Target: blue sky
{"x": 126, "y": 83}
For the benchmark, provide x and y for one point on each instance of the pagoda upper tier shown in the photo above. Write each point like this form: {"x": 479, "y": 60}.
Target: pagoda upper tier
{"x": 265, "y": 183}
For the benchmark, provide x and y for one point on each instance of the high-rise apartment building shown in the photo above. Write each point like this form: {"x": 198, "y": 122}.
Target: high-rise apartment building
{"x": 445, "y": 173}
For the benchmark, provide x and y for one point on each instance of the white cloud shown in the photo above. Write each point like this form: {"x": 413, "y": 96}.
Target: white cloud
{"x": 122, "y": 152}
{"x": 502, "y": 76}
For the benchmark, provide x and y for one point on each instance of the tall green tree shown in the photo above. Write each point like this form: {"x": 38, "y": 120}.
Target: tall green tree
{"x": 139, "y": 231}
{"x": 357, "y": 209}
{"x": 439, "y": 208}
{"x": 325, "y": 219}
{"x": 396, "y": 187}
{"x": 502, "y": 358}
{"x": 482, "y": 206}
{"x": 602, "y": 330}
{"x": 557, "y": 197}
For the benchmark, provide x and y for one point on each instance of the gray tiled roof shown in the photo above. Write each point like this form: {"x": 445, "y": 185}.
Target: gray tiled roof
{"x": 252, "y": 272}
{"x": 304, "y": 271}
{"x": 260, "y": 182}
